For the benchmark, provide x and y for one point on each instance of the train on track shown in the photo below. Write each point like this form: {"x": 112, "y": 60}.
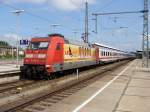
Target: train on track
{"x": 48, "y": 55}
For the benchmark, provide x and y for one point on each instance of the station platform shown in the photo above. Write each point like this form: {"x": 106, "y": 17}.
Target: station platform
{"x": 126, "y": 89}
{"x": 4, "y": 68}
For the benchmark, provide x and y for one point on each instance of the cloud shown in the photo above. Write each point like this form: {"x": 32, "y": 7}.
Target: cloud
{"x": 66, "y": 5}
{"x": 10, "y": 38}
{"x": 24, "y": 1}
{"x": 69, "y": 4}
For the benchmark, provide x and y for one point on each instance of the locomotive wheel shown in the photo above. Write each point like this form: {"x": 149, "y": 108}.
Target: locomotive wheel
{"x": 28, "y": 74}
{"x": 49, "y": 76}
{"x": 22, "y": 75}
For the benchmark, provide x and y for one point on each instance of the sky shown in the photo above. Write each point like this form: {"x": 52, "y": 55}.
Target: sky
{"x": 39, "y": 16}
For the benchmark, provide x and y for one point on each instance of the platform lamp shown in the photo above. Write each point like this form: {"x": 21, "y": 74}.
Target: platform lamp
{"x": 75, "y": 31}
{"x": 17, "y": 13}
{"x": 54, "y": 26}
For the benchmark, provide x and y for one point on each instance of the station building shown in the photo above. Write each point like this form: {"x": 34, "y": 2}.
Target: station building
{"x": 6, "y": 49}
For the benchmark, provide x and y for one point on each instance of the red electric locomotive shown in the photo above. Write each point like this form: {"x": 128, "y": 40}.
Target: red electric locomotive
{"x": 54, "y": 53}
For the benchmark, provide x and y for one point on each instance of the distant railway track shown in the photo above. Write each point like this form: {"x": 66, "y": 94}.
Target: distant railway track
{"x": 8, "y": 83}
{"x": 58, "y": 91}
{"x": 10, "y": 73}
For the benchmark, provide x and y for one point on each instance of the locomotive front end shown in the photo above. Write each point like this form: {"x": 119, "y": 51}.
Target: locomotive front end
{"x": 35, "y": 59}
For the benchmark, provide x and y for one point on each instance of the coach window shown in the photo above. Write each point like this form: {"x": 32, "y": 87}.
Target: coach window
{"x": 85, "y": 51}
{"x": 88, "y": 52}
{"x": 80, "y": 51}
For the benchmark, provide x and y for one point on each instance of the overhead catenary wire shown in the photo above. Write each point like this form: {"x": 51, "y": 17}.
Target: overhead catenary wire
{"x": 32, "y": 14}
{"x": 108, "y": 4}
{"x": 26, "y": 12}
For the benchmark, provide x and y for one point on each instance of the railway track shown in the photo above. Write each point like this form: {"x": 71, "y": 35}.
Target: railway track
{"x": 8, "y": 83}
{"x": 58, "y": 92}
{"x": 9, "y": 74}
{"x": 10, "y": 86}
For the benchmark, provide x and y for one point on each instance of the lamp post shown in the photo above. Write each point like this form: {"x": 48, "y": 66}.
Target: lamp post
{"x": 17, "y": 13}
{"x": 36, "y": 31}
{"x": 75, "y": 33}
{"x": 54, "y": 27}
{"x": 10, "y": 40}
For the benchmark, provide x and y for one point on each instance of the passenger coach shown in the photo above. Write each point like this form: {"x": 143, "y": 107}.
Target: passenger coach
{"x": 109, "y": 54}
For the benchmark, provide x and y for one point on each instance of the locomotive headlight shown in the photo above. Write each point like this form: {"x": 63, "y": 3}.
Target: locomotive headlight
{"x": 29, "y": 56}
{"x": 41, "y": 55}
{"x": 35, "y": 56}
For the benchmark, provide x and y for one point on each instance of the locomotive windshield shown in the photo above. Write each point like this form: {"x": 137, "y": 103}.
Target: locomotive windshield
{"x": 38, "y": 45}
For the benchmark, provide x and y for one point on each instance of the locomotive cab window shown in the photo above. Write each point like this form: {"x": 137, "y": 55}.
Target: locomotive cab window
{"x": 38, "y": 45}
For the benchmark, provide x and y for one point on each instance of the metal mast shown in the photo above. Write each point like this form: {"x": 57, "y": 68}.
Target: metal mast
{"x": 95, "y": 19}
{"x": 145, "y": 44}
{"x": 86, "y": 23}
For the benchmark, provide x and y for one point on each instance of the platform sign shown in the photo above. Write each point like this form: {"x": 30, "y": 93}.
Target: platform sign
{"x": 24, "y": 42}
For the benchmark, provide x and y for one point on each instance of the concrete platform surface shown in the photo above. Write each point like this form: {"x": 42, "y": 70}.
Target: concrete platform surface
{"x": 8, "y": 67}
{"x": 123, "y": 90}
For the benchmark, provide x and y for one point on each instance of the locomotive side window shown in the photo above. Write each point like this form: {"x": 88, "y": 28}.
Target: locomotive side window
{"x": 58, "y": 47}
